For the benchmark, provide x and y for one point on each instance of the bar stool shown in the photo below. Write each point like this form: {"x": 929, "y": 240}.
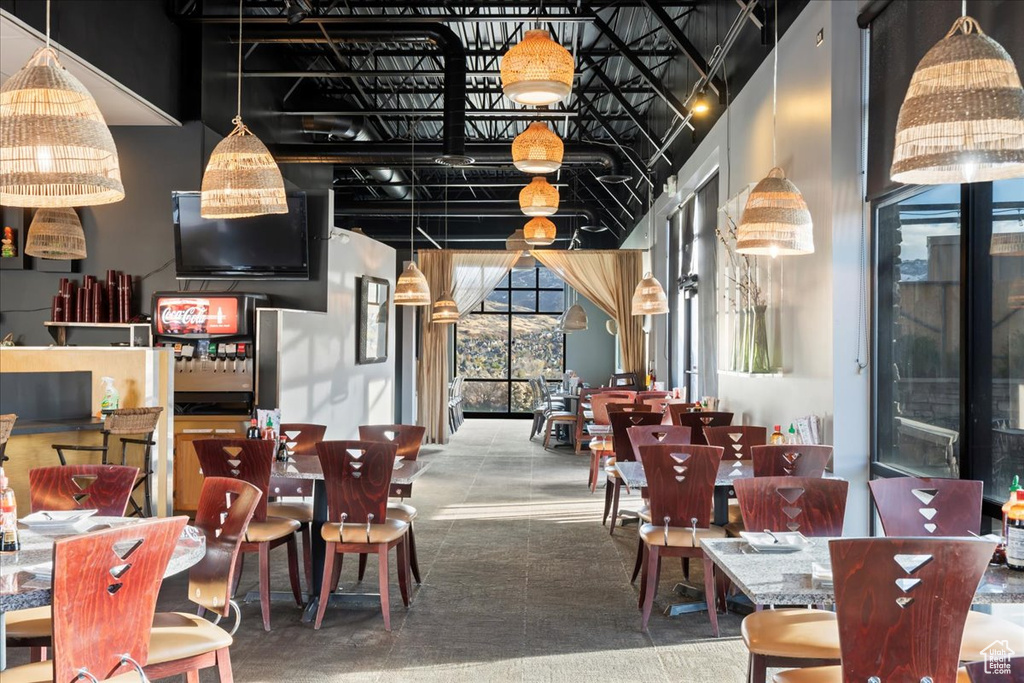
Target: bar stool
{"x": 126, "y": 421}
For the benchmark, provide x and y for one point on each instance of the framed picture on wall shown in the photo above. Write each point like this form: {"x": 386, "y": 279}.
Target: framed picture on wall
{"x": 372, "y": 320}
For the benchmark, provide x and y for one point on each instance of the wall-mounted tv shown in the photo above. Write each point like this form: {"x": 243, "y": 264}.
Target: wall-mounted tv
{"x": 274, "y": 246}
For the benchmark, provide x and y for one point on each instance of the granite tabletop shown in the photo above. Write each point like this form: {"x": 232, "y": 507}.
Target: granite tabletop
{"x": 26, "y": 576}
{"x": 308, "y": 467}
{"x": 785, "y": 578}
{"x": 632, "y": 473}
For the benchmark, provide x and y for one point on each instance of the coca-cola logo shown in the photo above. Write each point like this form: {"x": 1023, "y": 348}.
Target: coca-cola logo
{"x": 187, "y": 316}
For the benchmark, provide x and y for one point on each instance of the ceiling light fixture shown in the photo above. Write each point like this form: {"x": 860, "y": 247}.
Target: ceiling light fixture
{"x": 962, "y": 120}
{"x": 56, "y": 233}
{"x": 412, "y": 288}
{"x": 701, "y": 105}
{"x": 444, "y": 311}
{"x": 537, "y": 149}
{"x": 241, "y": 179}
{"x": 55, "y": 147}
{"x": 539, "y": 232}
{"x": 537, "y": 71}
{"x": 649, "y": 297}
{"x": 539, "y": 198}
{"x": 776, "y": 220}
{"x": 296, "y": 10}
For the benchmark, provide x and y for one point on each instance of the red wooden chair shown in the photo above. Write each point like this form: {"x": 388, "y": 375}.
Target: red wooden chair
{"x": 599, "y": 403}
{"x": 796, "y": 460}
{"x": 624, "y": 380}
{"x": 681, "y": 484}
{"x": 642, "y": 396}
{"x": 901, "y": 605}
{"x": 911, "y": 506}
{"x": 250, "y": 460}
{"x": 105, "y": 586}
{"x": 812, "y": 506}
{"x": 587, "y": 395}
{"x": 408, "y": 439}
{"x": 104, "y": 488}
{"x": 621, "y": 422}
{"x": 697, "y": 421}
{"x": 358, "y": 479}
{"x": 185, "y": 643}
{"x": 736, "y": 440}
{"x": 301, "y": 440}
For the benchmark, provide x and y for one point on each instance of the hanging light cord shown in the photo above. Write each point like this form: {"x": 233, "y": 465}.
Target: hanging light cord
{"x": 238, "y": 113}
{"x": 775, "y": 85}
{"x": 47, "y": 24}
{"x": 412, "y": 208}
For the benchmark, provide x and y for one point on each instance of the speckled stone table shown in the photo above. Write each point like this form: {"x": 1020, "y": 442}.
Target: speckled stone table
{"x": 785, "y": 578}
{"x": 26, "y": 576}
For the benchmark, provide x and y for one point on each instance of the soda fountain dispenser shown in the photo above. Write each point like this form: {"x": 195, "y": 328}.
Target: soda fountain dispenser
{"x": 213, "y": 337}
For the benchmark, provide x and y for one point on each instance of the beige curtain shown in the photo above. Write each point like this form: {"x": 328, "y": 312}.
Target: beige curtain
{"x": 607, "y": 278}
{"x": 468, "y": 276}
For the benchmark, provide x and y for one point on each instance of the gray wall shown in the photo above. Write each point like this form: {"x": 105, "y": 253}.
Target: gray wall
{"x": 136, "y": 236}
{"x": 591, "y": 353}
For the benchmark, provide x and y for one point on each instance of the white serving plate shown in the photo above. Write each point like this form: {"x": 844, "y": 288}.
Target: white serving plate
{"x": 783, "y": 542}
{"x": 55, "y": 518}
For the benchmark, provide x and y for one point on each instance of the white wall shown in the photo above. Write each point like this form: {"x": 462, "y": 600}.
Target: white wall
{"x": 319, "y": 378}
{"x": 591, "y": 353}
{"x": 819, "y": 114}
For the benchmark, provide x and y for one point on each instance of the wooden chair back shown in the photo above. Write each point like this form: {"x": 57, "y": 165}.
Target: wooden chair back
{"x": 901, "y": 604}
{"x": 357, "y": 475}
{"x": 811, "y": 505}
{"x": 248, "y": 460}
{"x": 911, "y": 506}
{"x": 302, "y": 438}
{"x": 132, "y": 421}
{"x": 105, "y": 586}
{"x": 225, "y": 508}
{"x": 408, "y": 438}
{"x": 697, "y": 421}
{"x": 599, "y": 403}
{"x": 652, "y": 435}
{"x": 621, "y": 421}
{"x": 104, "y": 488}
{"x": 642, "y": 396}
{"x": 797, "y": 460}
{"x": 736, "y": 439}
{"x": 681, "y": 483}
{"x": 624, "y": 380}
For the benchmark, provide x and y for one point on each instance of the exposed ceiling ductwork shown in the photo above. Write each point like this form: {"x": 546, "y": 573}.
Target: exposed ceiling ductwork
{"x": 492, "y": 209}
{"x": 355, "y": 129}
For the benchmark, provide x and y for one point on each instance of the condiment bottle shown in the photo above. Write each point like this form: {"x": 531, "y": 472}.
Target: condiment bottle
{"x": 1015, "y": 537}
{"x": 777, "y": 438}
{"x": 9, "y": 541}
{"x": 1015, "y": 497}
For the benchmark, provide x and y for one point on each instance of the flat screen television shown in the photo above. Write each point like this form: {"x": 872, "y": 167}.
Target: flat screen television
{"x": 274, "y": 246}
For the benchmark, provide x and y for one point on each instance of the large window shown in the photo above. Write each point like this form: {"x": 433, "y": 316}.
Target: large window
{"x": 510, "y": 339}
{"x": 949, "y": 343}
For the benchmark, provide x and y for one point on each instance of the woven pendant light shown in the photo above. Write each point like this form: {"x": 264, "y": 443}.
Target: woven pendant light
{"x": 649, "y": 297}
{"x": 444, "y": 311}
{"x": 55, "y": 147}
{"x": 537, "y": 149}
{"x": 776, "y": 220}
{"x": 574, "y": 319}
{"x": 963, "y": 117}
{"x": 241, "y": 179}
{"x": 537, "y": 71}
{"x": 412, "y": 288}
{"x": 539, "y": 231}
{"x": 55, "y": 233}
{"x": 515, "y": 242}
{"x": 539, "y": 198}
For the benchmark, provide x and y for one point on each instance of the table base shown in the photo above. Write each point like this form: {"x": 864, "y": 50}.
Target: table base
{"x": 370, "y": 600}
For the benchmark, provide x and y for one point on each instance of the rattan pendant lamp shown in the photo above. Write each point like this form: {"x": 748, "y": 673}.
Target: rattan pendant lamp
{"x": 444, "y": 311}
{"x": 962, "y": 120}
{"x": 412, "y": 288}
{"x": 537, "y": 71}
{"x": 649, "y": 296}
{"x": 56, "y": 233}
{"x": 241, "y": 179}
{"x": 776, "y": 220}
{"x": 539, "y": 198}
{"x": 539, "y": 232}
{"x": 537, "y": 149}
{"x": 55, "y": 147}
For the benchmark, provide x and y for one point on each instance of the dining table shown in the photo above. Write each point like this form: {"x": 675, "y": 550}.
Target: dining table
{"x": 26, "y": 576}
{"x": 634, "y": 478}
{"x": 774, "y": 578}
{"x": 308, "y": 468}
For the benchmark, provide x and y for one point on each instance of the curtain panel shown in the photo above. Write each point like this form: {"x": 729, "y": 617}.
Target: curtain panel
{"x": 607, "y": 278}
{"x": 468, "y": 276}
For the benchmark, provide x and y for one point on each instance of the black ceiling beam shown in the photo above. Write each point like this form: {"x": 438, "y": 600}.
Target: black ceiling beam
{"x": 684, "y": 44}
{"x": 392, "y": 18}
{"x": 325, "y": 110}
{"x": 605, "y": 121}
{"x": 627, "y": 107}
{"x": 633, "y": 58}
{"x": 482, "y": 53}
{"x": 393, "y": 73}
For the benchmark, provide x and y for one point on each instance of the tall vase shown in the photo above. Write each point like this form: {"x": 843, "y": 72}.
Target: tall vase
{"x": 759, "y": 360}
{"x": 741, "y": 335}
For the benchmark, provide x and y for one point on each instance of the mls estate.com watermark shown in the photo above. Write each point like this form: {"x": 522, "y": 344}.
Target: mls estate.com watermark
{"x": 997, "y": 657}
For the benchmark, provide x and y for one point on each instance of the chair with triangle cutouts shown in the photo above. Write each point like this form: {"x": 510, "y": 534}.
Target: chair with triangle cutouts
{"x": 104, "y": 488}
{"x": 697, "y": 421}
{"x": 790, "y": 460}
{"x": 621, "y": 422}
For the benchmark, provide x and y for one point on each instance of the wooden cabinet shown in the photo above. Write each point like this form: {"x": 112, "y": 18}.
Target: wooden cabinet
{"x": 188, "y": 480}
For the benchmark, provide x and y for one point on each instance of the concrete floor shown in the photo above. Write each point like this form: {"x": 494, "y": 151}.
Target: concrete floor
{"x": 520, "y": 582}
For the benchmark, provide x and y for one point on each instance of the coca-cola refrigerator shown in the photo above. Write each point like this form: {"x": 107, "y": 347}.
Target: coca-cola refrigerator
{"x": 213, "y": 337}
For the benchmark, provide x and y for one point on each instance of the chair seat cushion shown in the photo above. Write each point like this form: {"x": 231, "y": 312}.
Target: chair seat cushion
{"x": 271, "y": 529}
{"x": 678, "y": 537}
{"x": 29, "y": 623}
{"x": 390, "y": 530}
{"x": 298, "y": 510}
{"x": 401, "y": 512}
{"x": 176, "y": 635}
{"x": 834, "y": 674}
{"x": 804, "y": 633}
{"x": 42, "y": 672}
